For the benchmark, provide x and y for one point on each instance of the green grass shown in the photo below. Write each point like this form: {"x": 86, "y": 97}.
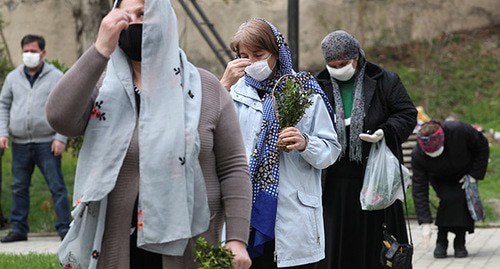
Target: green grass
{"x": 39, "y": 261}
{"x": 490, "y": 188}
{"x": 456, "y": 75}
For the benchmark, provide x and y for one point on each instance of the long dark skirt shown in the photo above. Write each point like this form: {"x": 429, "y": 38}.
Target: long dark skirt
{"x": 353, "y": 236}
{"x": 452, "y": 210}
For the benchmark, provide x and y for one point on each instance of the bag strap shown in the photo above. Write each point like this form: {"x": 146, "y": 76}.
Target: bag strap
{"x": 399, "y": 152}
{"x": 406, "y": 203}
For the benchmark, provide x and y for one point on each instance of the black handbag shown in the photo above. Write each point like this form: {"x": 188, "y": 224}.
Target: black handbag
{"x": 397, "y": 255}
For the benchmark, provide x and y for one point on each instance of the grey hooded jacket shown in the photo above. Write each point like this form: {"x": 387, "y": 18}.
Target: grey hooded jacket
{"x": 22, "y": 107}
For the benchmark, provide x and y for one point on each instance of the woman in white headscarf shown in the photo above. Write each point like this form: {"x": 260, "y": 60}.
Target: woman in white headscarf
{"x": 162, "y": 160}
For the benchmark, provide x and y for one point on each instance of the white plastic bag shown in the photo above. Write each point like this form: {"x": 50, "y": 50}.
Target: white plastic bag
{"x": 382, "y": 180}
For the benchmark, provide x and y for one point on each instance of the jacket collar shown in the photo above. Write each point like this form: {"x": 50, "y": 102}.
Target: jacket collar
{"x": 372, "y": 73}
{"x": 241, "y": 88}
{"x": 46, "y": 69}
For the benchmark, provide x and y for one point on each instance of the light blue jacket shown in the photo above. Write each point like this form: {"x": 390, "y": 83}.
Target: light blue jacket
{"x": 299, "y": 231}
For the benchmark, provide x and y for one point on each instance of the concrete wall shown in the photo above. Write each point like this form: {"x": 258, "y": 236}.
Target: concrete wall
{"x": 50, "y": 18}
{"x": 373, "y": 22}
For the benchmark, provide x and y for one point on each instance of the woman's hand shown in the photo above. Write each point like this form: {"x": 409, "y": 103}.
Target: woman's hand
{"x": 235, "y": 69}
{"x": 109, "y": 31}
{"x": 241, "y": 258}
{"x": 295, "y": 137}
{"x": 372, "y": 138}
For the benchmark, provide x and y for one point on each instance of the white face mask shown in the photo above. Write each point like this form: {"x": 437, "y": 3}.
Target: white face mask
{"x": 259, "y": 70}
{"x": 343, "y": 74}
{"x": 31, "y": 59}
{"x": 436, "y": 153}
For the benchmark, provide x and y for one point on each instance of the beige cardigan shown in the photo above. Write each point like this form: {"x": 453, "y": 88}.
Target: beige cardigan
{"x": 222, "y": 160}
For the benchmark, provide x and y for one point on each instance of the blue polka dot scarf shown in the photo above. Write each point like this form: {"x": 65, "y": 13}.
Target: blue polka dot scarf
{"x": 264, "y": 161}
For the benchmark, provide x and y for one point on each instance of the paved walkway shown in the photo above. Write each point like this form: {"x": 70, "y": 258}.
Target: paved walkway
{"x": 483, "y": 247}
{"x": 37, "y": 243}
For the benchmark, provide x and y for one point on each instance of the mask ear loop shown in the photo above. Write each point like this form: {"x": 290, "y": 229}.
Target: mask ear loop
{"x": 275, "y": 63}
{"x": 115, "y": 4}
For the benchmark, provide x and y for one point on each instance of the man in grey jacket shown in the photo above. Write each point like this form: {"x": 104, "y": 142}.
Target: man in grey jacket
{"x": 34, "y": 142}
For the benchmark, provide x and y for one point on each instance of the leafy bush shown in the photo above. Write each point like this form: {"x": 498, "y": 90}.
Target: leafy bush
{"x": 5, "y": 65}
{"x": 59, "y": 65}
{"x": 209, "y": 257}
{"x": 290, "y": 104}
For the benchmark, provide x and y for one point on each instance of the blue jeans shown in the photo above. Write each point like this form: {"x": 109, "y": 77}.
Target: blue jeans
{"x": 24, "y": 159}
{"x": 1, "y": 212}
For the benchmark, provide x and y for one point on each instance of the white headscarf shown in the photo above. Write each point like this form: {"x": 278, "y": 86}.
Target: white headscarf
{"x": 173, "y": 203}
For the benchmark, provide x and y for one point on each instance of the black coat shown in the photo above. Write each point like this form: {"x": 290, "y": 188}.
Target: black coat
{"x": 387, "y": 106}
{"x": 352, "y": 236}
{"x": 466, "y": 152}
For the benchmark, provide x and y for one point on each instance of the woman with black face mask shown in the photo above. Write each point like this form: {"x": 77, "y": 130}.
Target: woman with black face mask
{"x": 159, "y": 165}
{"x": 131, "y": 41}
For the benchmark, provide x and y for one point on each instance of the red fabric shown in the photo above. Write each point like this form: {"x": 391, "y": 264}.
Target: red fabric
{"x": 433, "y": 142}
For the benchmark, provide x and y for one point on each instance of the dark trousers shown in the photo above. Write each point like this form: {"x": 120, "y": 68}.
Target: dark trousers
{"x": 3, "y": 220}
{"x": 140, "y": 258}
{"x": 442, "y": 237}
{"x": 266, "y": 261}
{"x": 24, "y": 159}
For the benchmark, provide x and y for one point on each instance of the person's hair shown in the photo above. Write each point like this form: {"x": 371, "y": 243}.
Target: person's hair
{"x": 120, "y": 1}
{"x": 429, "y": 128}
{"x": 32, "y": 38}
{"x": 255, "y": 34}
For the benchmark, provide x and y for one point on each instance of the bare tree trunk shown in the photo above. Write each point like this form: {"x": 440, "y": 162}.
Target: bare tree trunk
{"x": 88, "y": 15}
{"x": 9, "y": 58}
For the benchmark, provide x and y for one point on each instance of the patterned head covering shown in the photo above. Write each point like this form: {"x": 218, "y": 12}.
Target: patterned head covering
{"x": 340, "y": 45}
{"x": 264, "y": 161}
{"x": 431, "y": 143}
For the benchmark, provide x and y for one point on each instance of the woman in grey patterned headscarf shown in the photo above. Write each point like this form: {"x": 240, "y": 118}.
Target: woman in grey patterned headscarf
{"x": 370, "y": 103}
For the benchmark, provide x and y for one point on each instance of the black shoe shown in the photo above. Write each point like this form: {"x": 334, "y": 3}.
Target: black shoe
{"x": 3, "y": 222}
{"x": 461, "y": 252}
{"x": 63, "y": 234}
{"x": 440, "y": 251}
{"x": 14, "y": 237}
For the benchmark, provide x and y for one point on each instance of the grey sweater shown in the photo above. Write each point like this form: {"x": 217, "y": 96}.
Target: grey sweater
{"x": 22, "y": 107}
{"x": 222, "y": 157}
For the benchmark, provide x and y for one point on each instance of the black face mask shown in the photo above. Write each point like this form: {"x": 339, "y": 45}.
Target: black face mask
{"x": 131, "y": 41}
